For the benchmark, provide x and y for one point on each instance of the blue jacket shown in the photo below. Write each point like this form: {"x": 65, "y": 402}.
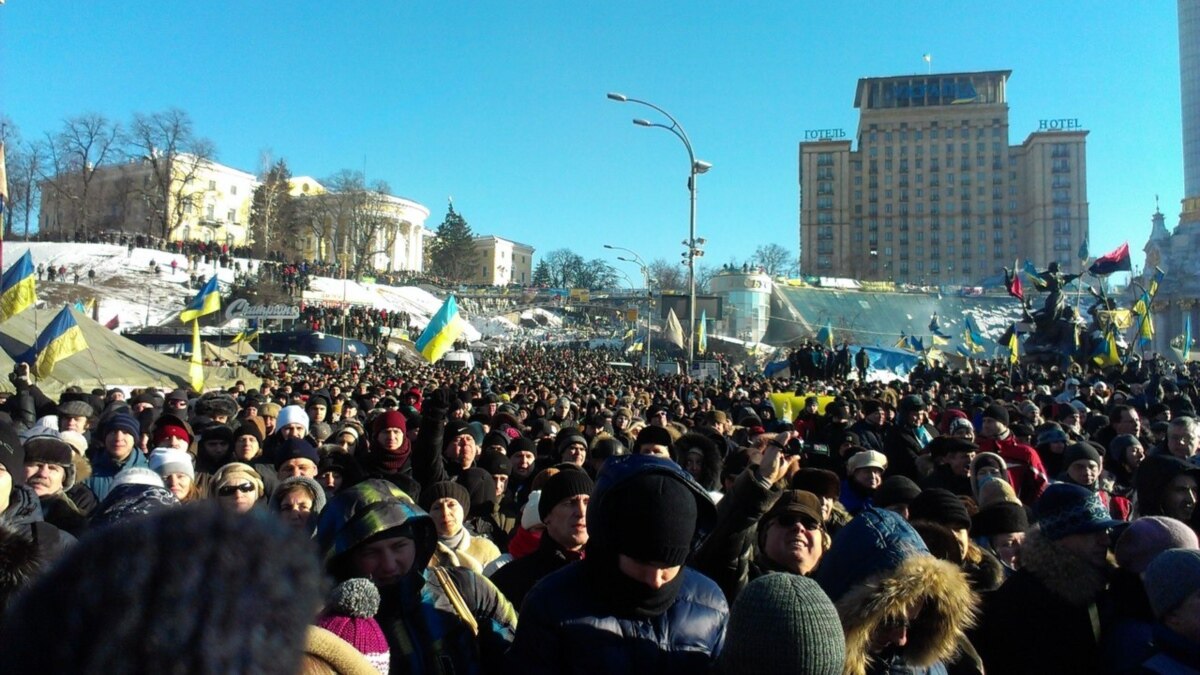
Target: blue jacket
{"x": 576, "y": 620}
{"x": 105, "y": 468}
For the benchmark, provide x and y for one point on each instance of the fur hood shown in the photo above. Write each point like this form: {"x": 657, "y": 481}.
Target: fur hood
{"x": 879, "y": 569}
{"x": 1062, "y": 573}
{"x": 710, "y": 472}
{"x": 948, "y": 611}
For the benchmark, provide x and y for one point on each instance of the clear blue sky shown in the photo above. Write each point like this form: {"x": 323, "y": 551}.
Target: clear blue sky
{"x": 502, "y": 105}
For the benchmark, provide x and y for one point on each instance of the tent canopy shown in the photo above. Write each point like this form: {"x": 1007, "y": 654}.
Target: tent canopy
{"x": 110, "y": 359}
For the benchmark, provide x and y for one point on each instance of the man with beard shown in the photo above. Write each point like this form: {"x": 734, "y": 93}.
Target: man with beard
{"x": 1046, "y": 616}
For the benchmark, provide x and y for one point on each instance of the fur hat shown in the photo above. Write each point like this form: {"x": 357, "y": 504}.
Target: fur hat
{"x": 821, "y": 482}
{"x": 1171, "y": 578}
{"x": 350, "y": 615}
{"x": 48, "y": 448}
{"x": 783, "y": 623}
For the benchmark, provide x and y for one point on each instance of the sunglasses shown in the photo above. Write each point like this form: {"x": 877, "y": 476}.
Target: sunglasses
{"x": 789, "y": 520}
{"x": 231, "y": 490}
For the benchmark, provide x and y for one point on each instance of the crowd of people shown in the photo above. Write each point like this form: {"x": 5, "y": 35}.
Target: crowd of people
{"x": 367, "y": 324}
{"x": 556, "y": 511}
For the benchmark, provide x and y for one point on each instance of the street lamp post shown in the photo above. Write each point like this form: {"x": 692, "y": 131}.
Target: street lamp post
{"x": 637, "y": 260}
{"x": 695, "y": 167}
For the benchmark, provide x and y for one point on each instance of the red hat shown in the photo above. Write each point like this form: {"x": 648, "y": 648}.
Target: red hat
{"x": 171, "y": 431}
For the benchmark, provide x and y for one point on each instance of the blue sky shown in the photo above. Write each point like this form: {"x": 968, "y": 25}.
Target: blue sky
{"x": 502, "y": 105}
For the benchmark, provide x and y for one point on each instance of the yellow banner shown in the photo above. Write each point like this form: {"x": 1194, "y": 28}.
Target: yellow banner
{"x": 787, "y": 404}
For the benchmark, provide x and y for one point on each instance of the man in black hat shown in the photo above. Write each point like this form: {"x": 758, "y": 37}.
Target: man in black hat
{"x": 1026, "y": 471}
{"x": 642, "y": 520}
{"x": 562, "y": 508}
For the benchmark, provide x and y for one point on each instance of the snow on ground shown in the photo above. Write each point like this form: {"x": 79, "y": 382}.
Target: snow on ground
{"x": 125, "y": 287}
{"x": 494, "y": 326}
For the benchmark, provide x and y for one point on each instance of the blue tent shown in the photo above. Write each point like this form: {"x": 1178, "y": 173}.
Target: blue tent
{"x": 310, "y": 342}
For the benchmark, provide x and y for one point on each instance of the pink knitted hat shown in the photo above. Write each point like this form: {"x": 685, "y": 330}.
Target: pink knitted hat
{"x": 351, "y": 616}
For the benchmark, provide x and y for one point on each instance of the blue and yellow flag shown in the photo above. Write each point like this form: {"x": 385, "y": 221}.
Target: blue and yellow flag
{"x": 1014, "y": 347}
{"x": 17, "y": 290}
{"x": 1110, "y": 355}
{"x": 196, "y": 365}
{"x": 702, "y": 333}
{"x": 59, "y": 340}
{"x": 443, "y": 329}
{"x": 207, "y": 301}
{"x": 825, "y": 335}
{"x": 939, "y": 341}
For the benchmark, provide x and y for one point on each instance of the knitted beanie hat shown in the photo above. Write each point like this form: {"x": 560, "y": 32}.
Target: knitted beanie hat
{"x": 1170, "y": 578}
{"x": 783, "y": 623}
{"x": 292, "y": 414}
{"x": 1146, "y": 537}
{"x": 351, "y": 616}
{"x": 997, "y": 412}
{"x": 1065, "y": 509}
{"x": 896, "y": 490}
{"x": 563, "y": 485}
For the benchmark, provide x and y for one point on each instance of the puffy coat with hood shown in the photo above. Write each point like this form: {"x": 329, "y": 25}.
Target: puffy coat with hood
{"x": 879, "y": 569}
{"x": 424, "y": 630}
{"x": 586, "y": 618}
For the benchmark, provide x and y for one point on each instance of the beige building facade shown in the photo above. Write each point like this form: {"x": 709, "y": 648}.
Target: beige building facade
{"x": 929, "y": 191}
{"x": 206, "y": 201}
{"x": 501, "y": 262}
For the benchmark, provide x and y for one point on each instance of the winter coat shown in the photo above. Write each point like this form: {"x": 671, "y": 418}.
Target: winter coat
{"x": 727, "y": 555}
{"x": 1047, "y": 617}
{"x": 425, "y": 630}
{"x": 590, "y": 618}
{"x": 879, "y": 568}
{"x": 519, "y": 576}
{"x": 568, "y": 626}
{"x": 24, "y": 517}
{"x": 1025, "y": 470}
{"x": 903, "y": 447}
{"x": 472, "y": 552}
{"x": 105, "y": 468}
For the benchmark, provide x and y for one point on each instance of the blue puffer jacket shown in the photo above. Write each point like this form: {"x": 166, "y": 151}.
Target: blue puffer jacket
{"x": 573, "y": 621}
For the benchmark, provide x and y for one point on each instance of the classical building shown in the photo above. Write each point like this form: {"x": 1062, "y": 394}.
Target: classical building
{"x": 1177, "y": 252}
{"x": 500, "y": 262}
{"x": 930, "y": 192}
{"x": 205, "y": 201}
{"x": 389, "y": 230}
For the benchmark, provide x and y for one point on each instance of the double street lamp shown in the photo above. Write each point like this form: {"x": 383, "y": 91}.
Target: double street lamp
{"x": 695, "y": 167}
{"x": 637, "y": 260}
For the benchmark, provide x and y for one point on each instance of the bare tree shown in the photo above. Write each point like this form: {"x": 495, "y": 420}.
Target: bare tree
{"x": 24, "y": 161}
{"x": 774, "y": 259}
{"x": 74, "y": 155}
{"x": 167, "y": 143}
{"x": 704, "y": 276}
{"x": 667, "y": 276}
{"x": 352, "y": 218}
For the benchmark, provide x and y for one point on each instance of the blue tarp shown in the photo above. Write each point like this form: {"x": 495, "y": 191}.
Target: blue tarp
{"x": 310, "y": 342}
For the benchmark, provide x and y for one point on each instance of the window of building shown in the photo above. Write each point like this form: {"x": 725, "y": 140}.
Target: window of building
{"x": 212, "y": 185}
{"x": 233, "y": 189}
{"x": 232, "y": 216}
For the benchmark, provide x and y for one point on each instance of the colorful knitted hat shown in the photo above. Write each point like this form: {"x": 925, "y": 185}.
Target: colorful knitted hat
{"x": 351, "y": 616}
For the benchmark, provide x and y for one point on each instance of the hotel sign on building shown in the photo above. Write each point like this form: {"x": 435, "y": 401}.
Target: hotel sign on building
{"x": 928, "y": 191}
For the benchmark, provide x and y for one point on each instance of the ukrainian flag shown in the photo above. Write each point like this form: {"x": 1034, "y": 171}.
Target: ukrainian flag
{"x": 17, "y": 291}
{"x": 825, "y": 335}
{"x": 443, "y": 329}
{"x": 1014, "y": 347}
{"x": 59, "y": 340}
{"x": 702, "y": 333}
{"x": 206, "y": 302}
